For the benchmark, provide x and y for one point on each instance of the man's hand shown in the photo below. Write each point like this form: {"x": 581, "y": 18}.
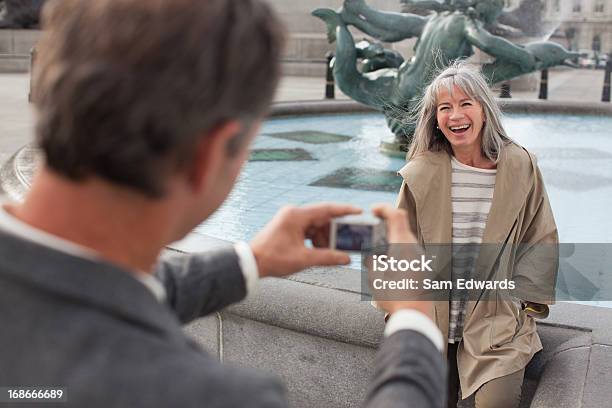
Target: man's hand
{"x": 398, "y": 232}
{"x": 279, "y": 248}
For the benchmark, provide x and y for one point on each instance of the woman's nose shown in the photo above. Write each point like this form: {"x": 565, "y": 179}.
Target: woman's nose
{"x": 455, "y": 114}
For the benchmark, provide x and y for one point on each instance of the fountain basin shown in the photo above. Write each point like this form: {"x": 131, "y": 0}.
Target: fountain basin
{"x": 313, "y": 329}
{"x": 574, "y": 152}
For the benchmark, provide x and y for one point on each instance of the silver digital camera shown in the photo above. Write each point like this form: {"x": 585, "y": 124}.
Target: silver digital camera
{"x": 355, "y": 233}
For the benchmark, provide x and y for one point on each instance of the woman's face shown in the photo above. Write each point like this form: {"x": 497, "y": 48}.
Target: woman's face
{"x": 460, "y": 118}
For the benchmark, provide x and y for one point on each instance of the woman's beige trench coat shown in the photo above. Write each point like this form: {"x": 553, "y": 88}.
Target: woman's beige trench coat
{"x": 498, "y": 337}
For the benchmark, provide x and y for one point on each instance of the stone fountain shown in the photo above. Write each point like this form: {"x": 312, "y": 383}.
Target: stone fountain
{"x": 451, "y": 31}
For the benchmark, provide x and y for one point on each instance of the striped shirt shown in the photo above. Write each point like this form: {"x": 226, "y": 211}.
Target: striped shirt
{"x": 471, "y": 197}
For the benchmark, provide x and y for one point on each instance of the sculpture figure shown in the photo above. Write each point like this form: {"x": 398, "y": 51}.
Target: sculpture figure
{"x": 374, "y": 56}
{"x": 20, "y": 13}
{"x": 443, "y": 36}
{"x": 524, "y": 20}
{"x": 547, "y": 54}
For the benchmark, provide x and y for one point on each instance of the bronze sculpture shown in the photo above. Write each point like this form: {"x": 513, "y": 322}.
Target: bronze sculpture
{"x": 374, "y": 56}
{"x": 450, "y": 32}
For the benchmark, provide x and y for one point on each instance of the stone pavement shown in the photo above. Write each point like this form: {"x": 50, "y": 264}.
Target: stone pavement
{"x": 16, "y": 117}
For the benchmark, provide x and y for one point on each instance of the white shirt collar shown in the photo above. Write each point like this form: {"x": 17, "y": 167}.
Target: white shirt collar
{"x": 20, "y": 229}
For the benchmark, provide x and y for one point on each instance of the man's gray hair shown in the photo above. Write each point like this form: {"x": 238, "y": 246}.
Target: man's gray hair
{"x": 124, "y": 89}
{"x": 469, "y": 79}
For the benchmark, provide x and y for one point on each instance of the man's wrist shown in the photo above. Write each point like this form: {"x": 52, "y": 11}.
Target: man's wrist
{"x": 410, "y": 319}
{"x": 248, "y": 265}
{"x": 424, "y": 307}
{"x": 257, "y": 255}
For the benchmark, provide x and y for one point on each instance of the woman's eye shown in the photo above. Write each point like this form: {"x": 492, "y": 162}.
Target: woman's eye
{"x": 444, "y": 108}
{"x": 466, "y": 104}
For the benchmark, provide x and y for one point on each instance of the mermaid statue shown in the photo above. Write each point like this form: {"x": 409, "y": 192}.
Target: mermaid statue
{"x": 449, "y": 32}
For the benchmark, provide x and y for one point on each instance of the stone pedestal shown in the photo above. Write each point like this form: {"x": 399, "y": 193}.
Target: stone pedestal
{"x": 393, "y": 148}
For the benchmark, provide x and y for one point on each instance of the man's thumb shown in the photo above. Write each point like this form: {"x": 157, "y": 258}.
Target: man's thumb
{"x": 327, "y": 257}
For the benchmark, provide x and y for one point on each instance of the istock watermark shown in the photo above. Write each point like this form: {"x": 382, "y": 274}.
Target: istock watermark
{"x": 384, "y": 263}
{"x": 540, "y": 273}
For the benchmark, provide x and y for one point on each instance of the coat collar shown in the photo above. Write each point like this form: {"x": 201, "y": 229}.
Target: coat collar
{"x": 429, "y": 179}
{"x": 93, "y": 284}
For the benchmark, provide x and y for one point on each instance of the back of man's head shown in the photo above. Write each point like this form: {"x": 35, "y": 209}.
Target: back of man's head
{"x": 125, "y": 88}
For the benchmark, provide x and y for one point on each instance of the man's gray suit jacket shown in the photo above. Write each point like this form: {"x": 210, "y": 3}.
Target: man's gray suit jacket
{"x": 90, "y": 327}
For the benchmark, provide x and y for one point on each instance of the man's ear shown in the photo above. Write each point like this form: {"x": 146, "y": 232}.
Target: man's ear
{"x": 210, "y": 154}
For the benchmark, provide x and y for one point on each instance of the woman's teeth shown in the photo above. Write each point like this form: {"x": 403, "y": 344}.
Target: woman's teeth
{"x": 459, "y": 129}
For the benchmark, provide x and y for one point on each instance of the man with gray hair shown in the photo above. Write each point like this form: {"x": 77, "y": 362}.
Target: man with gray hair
{"x": 145, "y": 113}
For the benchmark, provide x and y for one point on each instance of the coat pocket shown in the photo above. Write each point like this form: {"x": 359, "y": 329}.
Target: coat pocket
{"x": 506, "y": 322}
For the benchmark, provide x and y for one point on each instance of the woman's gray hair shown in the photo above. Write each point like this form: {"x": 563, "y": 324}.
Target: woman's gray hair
{"x": 469, "y": 79}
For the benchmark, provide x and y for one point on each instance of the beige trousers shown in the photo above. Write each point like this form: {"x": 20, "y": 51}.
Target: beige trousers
{"x": 502, "y": 392}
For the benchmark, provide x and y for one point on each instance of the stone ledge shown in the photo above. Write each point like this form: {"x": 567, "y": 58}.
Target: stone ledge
{"x": 14, "y": 63}
{"x": 306, "y": 313}
{"x": 322, "y": 107}
{"x": 556, "y": 387}
{"x": 555, "y": 107}
{"x": 320, "y": 311}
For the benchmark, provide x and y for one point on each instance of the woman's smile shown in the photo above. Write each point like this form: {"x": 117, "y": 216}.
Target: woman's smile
{"x": 460, "y": 129}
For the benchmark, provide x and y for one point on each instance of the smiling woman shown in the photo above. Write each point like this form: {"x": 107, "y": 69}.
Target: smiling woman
{"x": 466, "y": 184}
{"x": 460, "y": 96}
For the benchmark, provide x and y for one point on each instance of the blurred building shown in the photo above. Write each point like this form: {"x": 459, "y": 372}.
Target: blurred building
{"x": 583, "y": 25}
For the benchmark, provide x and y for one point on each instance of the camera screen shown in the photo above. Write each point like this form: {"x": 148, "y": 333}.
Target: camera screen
{"x": 353, "y": 237}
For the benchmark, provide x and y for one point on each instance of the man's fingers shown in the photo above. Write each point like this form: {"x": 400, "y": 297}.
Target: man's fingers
{"x": 326, "y": 257}
{"x": 389, "y": 213}
{"x": 382, "y": 210}
{"x": 398, "y": 230}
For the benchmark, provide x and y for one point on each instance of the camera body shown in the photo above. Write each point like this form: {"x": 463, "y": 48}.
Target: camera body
{"x": 355, "y": 233}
